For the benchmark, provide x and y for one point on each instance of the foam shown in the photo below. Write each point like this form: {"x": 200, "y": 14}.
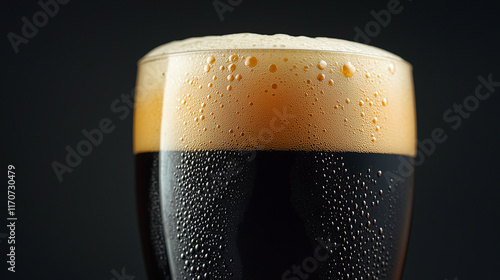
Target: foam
{"x": 258, "y": 41}
{"x": 357, "y": 100}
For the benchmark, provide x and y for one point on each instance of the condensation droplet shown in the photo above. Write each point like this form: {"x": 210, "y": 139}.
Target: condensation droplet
{"x": 251, "y": 61}
{"x": 375, "y": 119}
{"x": 361, "y": 103}
{"x": 348, "y": 69}
{"x": 274, "y": 86}
{"x": 222, "y": 67}
{"x": 330, "y": 82}
{"x": 367, "y": 75}
{"x": 321, "y": 77}
{"x": 272, "y": 68}
{"x": 362, "y": 114}
{"x": 229, "y": 87}
{"x": 384, "y": 101}
{"x": 230, "y": 78}
{"x": 210, "y": 59}
{"x": 347, "y": 100}
{"x": 392, "y": 69}
{"x": 374, "y": 139}
{"x": 377, "y": 128}
{"x": 285, "y": 59}
{"x": 233, "y": 58}
{"x": 238, "y": 77}
{"x": 207, "y": 68}
{"x": 232, "y": 67}
{"x": 322, "y": 64}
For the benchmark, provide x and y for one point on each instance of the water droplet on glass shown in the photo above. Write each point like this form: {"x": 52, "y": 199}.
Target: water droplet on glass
{"x": 251, "y": 61}
{"x": 348, "y": 69}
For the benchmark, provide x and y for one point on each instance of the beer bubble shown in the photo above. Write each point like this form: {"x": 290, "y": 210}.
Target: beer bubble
{"x": 233, "y": 58}
{"x": 207, "y": 68}
{"x": 272, "y": 68}
{"x": 348, "y": 69}
{"x": 321, "y": 77}
{"x": 238, "y": 77}
{"x": 210, "y": 59}
{"x": 322, "y": 64}
{"x": 232, "y": 67}
{"x": 251, "y": 61}
{"x": 230, "y": 78}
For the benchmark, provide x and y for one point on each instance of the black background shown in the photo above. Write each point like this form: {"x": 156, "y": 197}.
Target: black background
{"x": 64, "y": 79}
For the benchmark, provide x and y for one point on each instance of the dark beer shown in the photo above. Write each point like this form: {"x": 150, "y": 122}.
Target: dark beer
{"x": 273, "y": 163}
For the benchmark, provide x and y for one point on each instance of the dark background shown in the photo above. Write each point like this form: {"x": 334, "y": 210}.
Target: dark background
{"x": 64, "y": 79}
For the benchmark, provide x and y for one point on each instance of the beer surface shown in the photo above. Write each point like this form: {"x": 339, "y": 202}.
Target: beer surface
{"x": 256, "y": 92}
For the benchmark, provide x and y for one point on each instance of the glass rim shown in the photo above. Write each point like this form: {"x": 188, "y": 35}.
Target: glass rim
{"x": 146, "y": 59}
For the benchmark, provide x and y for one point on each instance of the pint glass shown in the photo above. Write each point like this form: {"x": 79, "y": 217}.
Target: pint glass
{"x": 274, "y": 157}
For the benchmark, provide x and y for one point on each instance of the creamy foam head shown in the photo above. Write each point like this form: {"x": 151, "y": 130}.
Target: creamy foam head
{"x": 248, "y": 91}
{"x": 257, "y": 41}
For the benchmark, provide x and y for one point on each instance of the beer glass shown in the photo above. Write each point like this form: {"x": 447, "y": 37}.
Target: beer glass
{"x": 274, "y": 157}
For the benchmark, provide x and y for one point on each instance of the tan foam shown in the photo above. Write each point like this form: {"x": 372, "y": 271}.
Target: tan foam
{"x": 348, "y": 101}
